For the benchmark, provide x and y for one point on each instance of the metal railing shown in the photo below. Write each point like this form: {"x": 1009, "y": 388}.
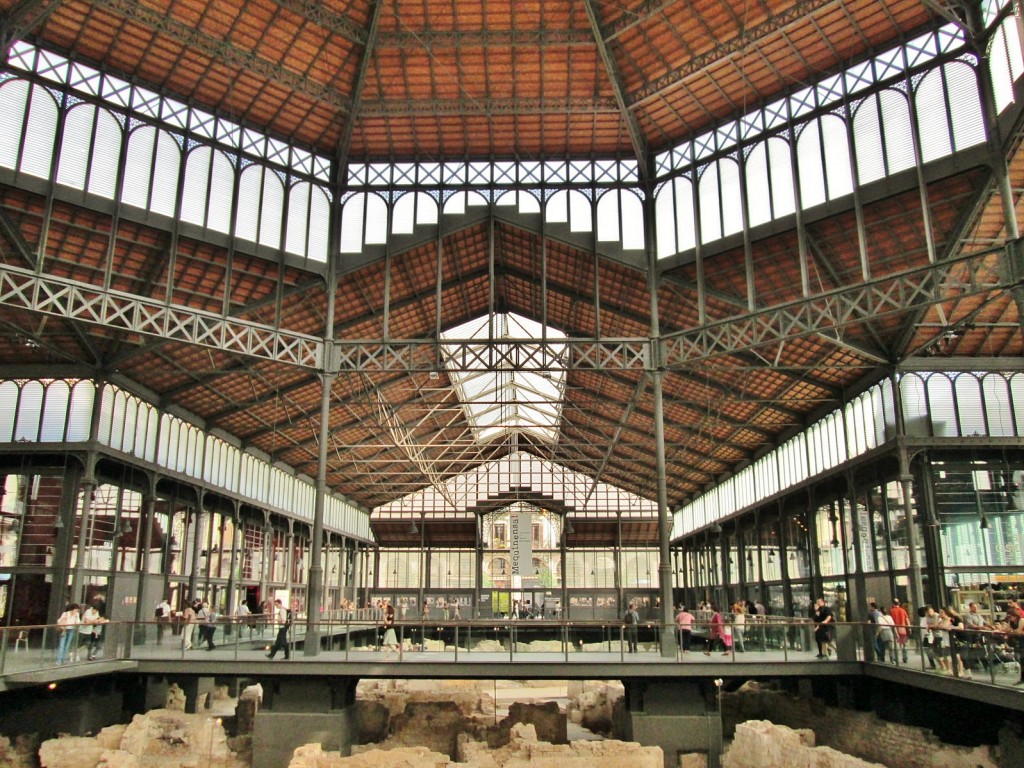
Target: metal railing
{"x": 989, "y": 656}
{"x": 978, "y": 656}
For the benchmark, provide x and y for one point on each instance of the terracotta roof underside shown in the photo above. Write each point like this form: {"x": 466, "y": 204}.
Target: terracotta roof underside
{"x": 417, "y": 81}
{"x": 455, "y": 79}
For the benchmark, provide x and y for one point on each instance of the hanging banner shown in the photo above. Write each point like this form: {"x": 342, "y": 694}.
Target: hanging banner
{"x": 520, "y": 542}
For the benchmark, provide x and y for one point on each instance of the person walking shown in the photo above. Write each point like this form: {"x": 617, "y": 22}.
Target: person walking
{"x": 631, "y": 619}
{"x": 283, "y": 619}
{"x": 885, "y": 640}
{"x": 68, "y": 624}
{"x": 207, "y": 625}
{"x": 684, "y": 623}
{"x": 188, "y": 625}
{"x": 716, "y": 632}
{"x": 242, "y": 614}
{"x": 924, "y": 625}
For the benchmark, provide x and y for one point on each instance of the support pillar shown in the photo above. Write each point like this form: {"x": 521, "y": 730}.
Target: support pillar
{"x": 679, "y": 716}
{"x": 907, "y": 487}
{"x": 657, "y": 374}
{"x": 298, "y": 711}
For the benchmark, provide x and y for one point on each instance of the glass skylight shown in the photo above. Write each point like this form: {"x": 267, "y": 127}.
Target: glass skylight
{"x": 499, "y": 398}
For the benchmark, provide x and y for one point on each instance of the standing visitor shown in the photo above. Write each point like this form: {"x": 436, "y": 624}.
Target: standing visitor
{"x": 886, "y": 637}
{"x": 163, "y": 618}
{"x": 92, "y": 618}
{"x": 901, "y": 620}
{"x": 242, "y": 617}
{"x": 739, "y": 624}
{"x": 188, "y": 621}
{"x": 631, "y": 619}
{"x": 390, "y": 640}
{"x": 824, "y": 623}
{"x": 68, "y": 628}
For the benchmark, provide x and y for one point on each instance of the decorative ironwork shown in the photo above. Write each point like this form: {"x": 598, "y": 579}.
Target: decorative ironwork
{"x": 910, "y": 289}
{"x": 81, "y": 302}
{"x": 472, "y": 354}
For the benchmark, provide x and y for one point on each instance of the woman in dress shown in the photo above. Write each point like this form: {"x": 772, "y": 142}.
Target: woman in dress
{"x": 716, "y": 632}
{"x": 390, "y": 639}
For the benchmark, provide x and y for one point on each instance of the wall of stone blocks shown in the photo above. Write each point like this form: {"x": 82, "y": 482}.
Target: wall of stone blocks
{"x": 860, "y": 733}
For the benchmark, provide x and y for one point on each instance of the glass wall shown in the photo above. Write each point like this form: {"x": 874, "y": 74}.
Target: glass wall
{"x": 979, "y": 511}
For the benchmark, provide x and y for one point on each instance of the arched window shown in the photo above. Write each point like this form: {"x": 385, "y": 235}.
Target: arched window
{"x": 570, "y": 207}
{"x": 411, "y": 210}
{"x": 523, "y": 201}
{"x": 209, "y": 189}
{"x": 363, "y": 222}
{"x": 90, "y": 150}
{"x": 1004, "y": 62}
{"x": 260, "y": 206}
{"x": 28, "y": 114}
{"x": 708, "y": 191}
{"x": 620, "y": 218}
{"x": 881, "y": 136}
{"x": 151, "y": 171}
{"x": 674, "y": 217}
{"x": 55, "y": 412}
{"x": 769, "y": 178}
{"x": 964, "y": 105}
{"x": 460, "y": 201}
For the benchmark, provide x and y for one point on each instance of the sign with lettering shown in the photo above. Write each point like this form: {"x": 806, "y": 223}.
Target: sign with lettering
{"x": 520, "y": 542}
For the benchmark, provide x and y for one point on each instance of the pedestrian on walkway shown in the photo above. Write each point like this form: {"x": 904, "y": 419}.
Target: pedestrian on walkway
{"x": 283, "y": 620}
{"x": 684, "y": 623}
{"x": 188, "y": 621}
{"x": 93, "y": 620}
{"x": 68, "y": 628}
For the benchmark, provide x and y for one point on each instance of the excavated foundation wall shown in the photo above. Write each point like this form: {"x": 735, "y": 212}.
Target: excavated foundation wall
{"x": 862, "y": 734}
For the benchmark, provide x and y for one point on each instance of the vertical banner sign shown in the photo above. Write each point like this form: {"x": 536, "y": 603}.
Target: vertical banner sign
{"x": 520, "y": 542}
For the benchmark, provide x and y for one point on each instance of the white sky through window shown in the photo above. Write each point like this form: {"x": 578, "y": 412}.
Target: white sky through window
{"x": 503, "y": 399}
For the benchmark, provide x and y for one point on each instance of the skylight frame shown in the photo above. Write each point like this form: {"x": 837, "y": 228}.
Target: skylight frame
{"x": 504, "y": 401}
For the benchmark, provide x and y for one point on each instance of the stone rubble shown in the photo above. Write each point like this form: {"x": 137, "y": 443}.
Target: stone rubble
{"x": 761, "y": 744}
{"x": 523, "y": 749}
{"x": 161, "y": 738}
{"x": 19, "y": 754}
{"x": 432, "y": 724}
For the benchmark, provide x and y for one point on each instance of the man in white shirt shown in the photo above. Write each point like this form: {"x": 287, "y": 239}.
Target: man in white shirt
{"x": 973, "y": 619}
{"x": 163, "y": 618}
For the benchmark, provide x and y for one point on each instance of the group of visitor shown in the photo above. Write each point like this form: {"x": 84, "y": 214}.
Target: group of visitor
{"x": 77, "y": 627}
{"x": 891, "y": 633}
